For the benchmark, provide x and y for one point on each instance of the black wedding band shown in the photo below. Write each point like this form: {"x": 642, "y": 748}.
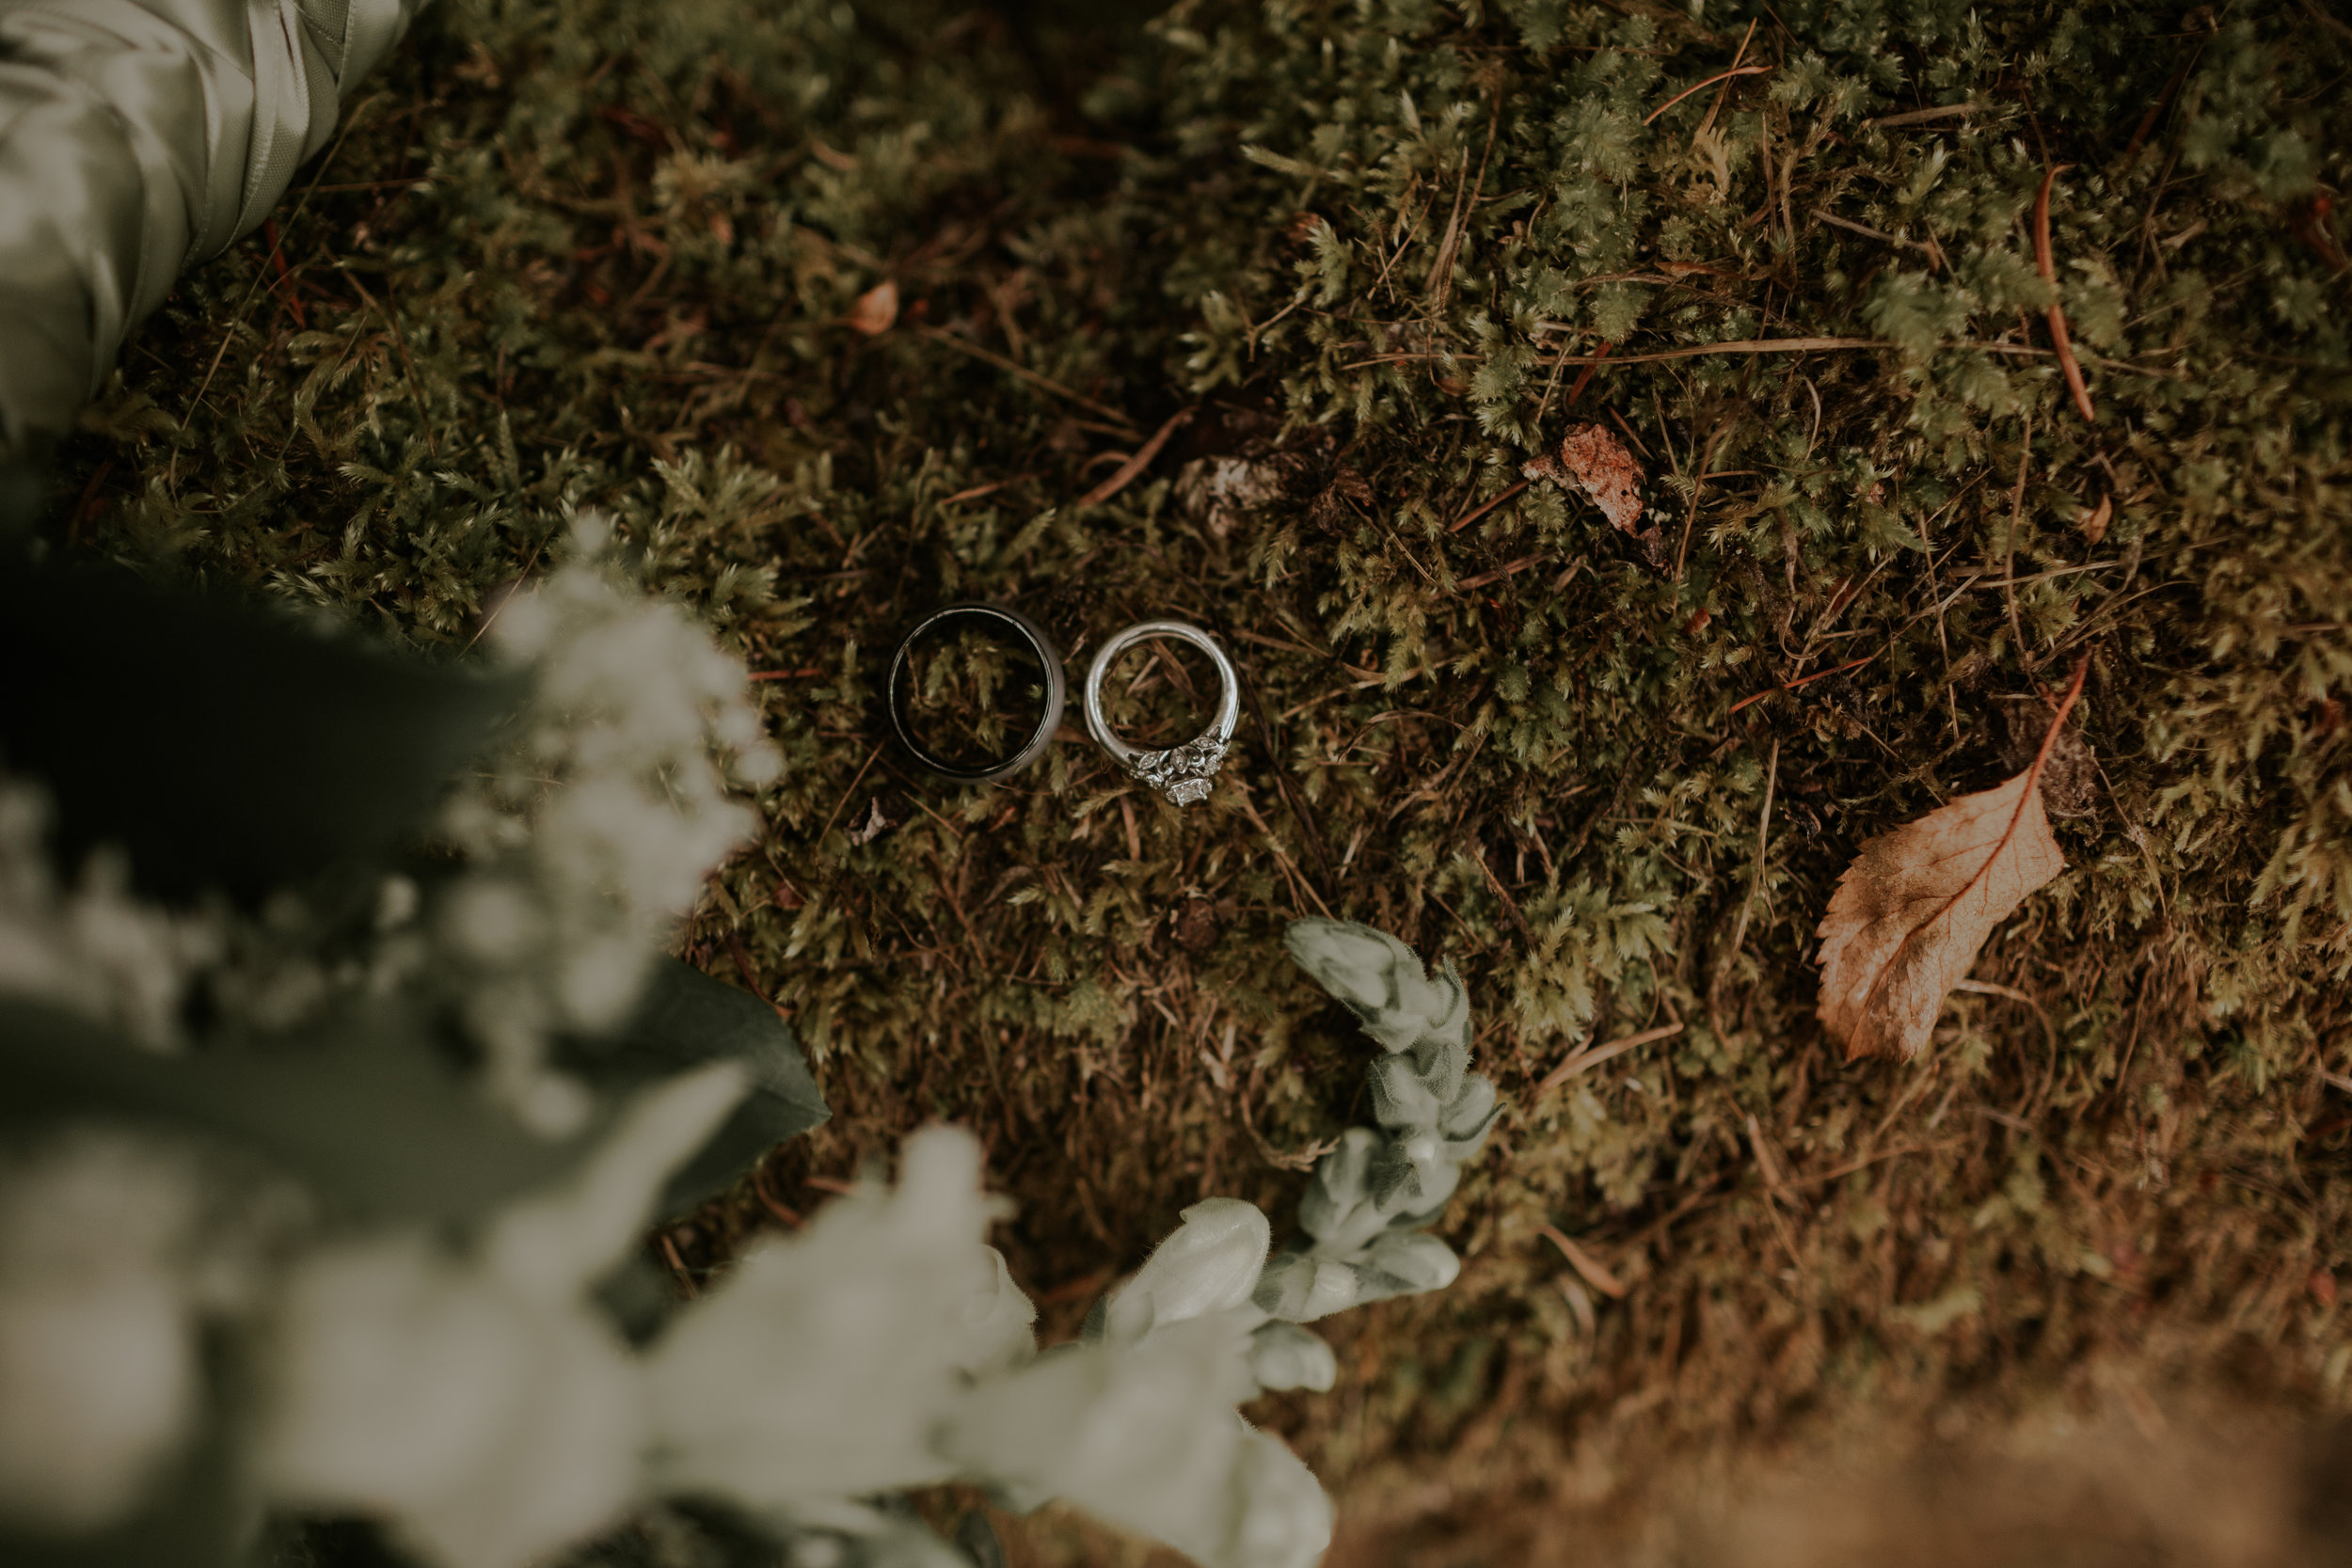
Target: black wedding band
{"x": 1028, "y": 631}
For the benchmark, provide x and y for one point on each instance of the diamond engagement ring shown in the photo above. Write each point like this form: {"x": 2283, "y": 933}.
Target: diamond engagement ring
{"x": 1181, "y": 773}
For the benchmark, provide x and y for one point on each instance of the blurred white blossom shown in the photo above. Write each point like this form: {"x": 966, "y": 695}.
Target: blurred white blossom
{"x": 591, "y": 834}
{"x": 821, "y": 1369}
{"x": 486, "y": 1426}
{"x": 112, "y": 1249}
{"x": 885, "y": 1347}
{"x": 1210, "y": 1264}
{"x": 481, "y": 1403}
{"x": 95, "y": 949}
{"x": 1279, "y": 1518}
{"x": 1145, "y": 1436}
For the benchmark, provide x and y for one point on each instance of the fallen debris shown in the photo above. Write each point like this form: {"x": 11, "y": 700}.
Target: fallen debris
{"x": 1914, "y": 909}
{"x": 1594, "y": 464}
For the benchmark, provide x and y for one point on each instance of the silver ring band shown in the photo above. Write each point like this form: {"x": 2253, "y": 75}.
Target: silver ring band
{"x": 1027, "y": 631}
{"x": 1181, "y": 773}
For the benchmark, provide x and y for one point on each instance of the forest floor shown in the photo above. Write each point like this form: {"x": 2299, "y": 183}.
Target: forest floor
{"x": 1250, "y": 316}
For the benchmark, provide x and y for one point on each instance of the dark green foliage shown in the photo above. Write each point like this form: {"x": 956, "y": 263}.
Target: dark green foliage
{"x": 597, "y": 253}
{"x": 377, "y": 1123}
{"x": 224, "y": 745}
{"x": 685, "y": 1018}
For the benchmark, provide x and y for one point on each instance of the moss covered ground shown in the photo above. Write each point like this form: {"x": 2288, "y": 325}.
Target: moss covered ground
{"x": 607, "y": 254}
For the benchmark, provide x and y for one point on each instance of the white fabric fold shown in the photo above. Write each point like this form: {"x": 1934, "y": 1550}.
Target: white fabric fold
{"x": 137, "y": 136}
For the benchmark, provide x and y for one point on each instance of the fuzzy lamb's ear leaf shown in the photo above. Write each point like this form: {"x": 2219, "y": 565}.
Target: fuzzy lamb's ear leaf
{"x": 1440, "y": 1061}
{"x": 1331, "y": 1207}
{"x": 1400, "y": 1099}
{"x": 685, "y": 1019}
{"x": 226, "y": 747}
{"x": 1381, "y": 980}
{"x": 1283, "y": 1355}
{"x": 1470, "y": 1113}
{"x": 1210, "y": 1263}
{"x": 1415, "y": 1256}
{"x": 1413, "y": 1173}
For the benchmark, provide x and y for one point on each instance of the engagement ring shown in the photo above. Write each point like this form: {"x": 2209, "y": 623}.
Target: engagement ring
{"x": 1181, "y": 773}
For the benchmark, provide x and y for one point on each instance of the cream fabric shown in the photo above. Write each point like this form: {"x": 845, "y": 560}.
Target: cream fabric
{"x": 136, "y": 137}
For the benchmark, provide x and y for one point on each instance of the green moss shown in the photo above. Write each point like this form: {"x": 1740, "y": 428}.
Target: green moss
{"x": 581, "y": 253}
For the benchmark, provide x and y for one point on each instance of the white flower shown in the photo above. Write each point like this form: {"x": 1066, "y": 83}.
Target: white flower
{"x": 552, "y": 1245}
{"x": 97, "y": 1386}
{"x": 821, "y": 1371}
{"x": 96, "y": 950}
{"x": 98, "y": 1376}
{"x": 481, "y": 1404}
{"x": 1282, "y": 1519}
{"x": 995, "y": 1321}
{"x": 593, "y": 833}
{"x": 488, "y": 1427}
{"x": 1210, "y": 1264}
{"x": 885, "y": 1348}
{"x": 493, "y": 919}
{"x": 1144, "y": 1436}
{"x": 111, "y": 1249}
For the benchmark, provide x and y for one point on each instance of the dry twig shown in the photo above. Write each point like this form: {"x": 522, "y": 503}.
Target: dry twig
{"x": 1584, "y": 1061}
{"x": 2057, "y": 314}
{"x": 1763, "y": 843}
{"x": 1802, "y": 680}
{"x": 1720, "y": 76}
{"x": 1596, "y": 1273}
{"x": 1471, "y": 517}
{"x": 1127, "y": 471}
{"x": 2009, "y": 544}
{"x": 940, "y": 334}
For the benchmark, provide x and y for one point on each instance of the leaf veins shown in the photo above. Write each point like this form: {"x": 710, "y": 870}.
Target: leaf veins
{"x": 1914, "y": 909}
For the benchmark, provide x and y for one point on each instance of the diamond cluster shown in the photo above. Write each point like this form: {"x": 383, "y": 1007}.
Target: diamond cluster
{"x": 1181, "y": 773}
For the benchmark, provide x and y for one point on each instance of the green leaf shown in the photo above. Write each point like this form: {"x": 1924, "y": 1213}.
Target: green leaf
{"x": 684, "y": 1020}
{"x": 377, "y": 1121}
{"x": 224, "y": 746}
{"x": 374, "y": 1120}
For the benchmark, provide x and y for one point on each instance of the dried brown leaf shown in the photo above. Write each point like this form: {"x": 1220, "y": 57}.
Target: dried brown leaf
{"x": 875, "y": 825}
{"x": 876, "y": 309}
{"x": 1594, "y": 463}
{"x": 2093, "y": 521}
{"x": 1197, "y": 926}
{"x": 1914, "y": 909}
{"x": 1348, "y": 489}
